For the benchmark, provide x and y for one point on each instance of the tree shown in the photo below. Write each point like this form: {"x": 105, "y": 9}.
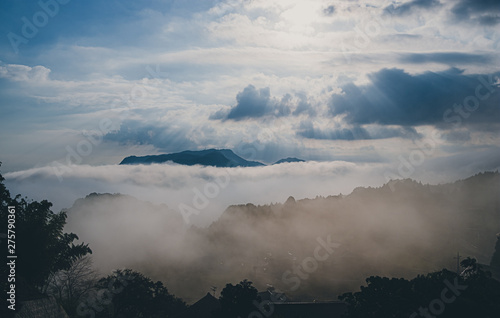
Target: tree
{"x": 41, "y": 246}
{"x": 70, "y": 287}
{"x": 237, "y": 300}
{"x": 130, "y": 294}
{"x": 382, "y": 297}
{"x": 477, "y": 295}
{"x": 495, "y": 260}
{"x": 470, "y": 267}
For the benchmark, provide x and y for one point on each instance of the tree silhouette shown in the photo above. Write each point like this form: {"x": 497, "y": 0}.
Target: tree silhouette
{"x": 131, "y": 294}
{"x": 476, "y": 296}
{"x": 470, "y": 267}
{"x": 237, "y": 300}
{"x": 71, "y": 286}
{"x": 41, "y": 246}
{"x": 382, "y": 297}
{"x": 495, "y": 260}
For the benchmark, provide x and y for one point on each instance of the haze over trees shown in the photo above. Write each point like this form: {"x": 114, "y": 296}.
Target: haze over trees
{"x": 50, "y": 263}
{"x": 311, "y": 249}
{"x": 401, "y": 229}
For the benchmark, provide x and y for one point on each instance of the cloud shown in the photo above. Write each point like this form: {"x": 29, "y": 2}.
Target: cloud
{"x": 408, "y": 7}
{"x": 303, "y": 106}
{"x": 23, "y": 73}
{"x": 175, "y": 184}
{"x": 448, "y": 58}
{"x": 202, "y": 53}
{"x": 166, "y": 136}
{"x": 252, "y": 103}
{"x": 266, "y": 141}
{"x": 484, "y": 12}
{"x": 308, "y": 130}
{"x": 395, "y": 97}
{"x": 330, "y": 10}
{"x": 457, "y": 136}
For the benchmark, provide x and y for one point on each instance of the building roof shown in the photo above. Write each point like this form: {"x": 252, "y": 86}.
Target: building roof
{"x": 202, "y": 308}
{"x": 334, "y": 309}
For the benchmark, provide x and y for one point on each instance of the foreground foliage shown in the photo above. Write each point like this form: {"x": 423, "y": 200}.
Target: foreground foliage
{"x": 131, "y": 294}
{"x": 445, "y": 294}
{"x": 237, "y": 300}
{"x": 41, "y": 246}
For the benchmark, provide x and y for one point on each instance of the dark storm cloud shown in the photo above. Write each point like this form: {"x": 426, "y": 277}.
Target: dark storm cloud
{"x": 395, "y": 97}
{"x": 254, "y": 103}
{"x": 251, "y": 102}
{"x": 134, "y": 132}
{"x": 408, "y": 7}
{"x": 484, "y": 12}
{"x": 449, "y": 58}
{"x": 307, "y": 130}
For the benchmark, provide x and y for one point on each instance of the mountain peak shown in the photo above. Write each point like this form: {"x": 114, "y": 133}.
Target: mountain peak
{"x": 290, "y": 200}
{"x": 208, "y": 157}
{"x": 289, "y": 159}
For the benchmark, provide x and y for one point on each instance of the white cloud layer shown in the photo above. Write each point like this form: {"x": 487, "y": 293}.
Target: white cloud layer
{"x": 209, "y": 190}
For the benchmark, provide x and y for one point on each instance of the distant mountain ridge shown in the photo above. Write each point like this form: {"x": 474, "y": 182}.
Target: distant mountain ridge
{"x": 209, "y": 157}
{"x": 289, "y": 159}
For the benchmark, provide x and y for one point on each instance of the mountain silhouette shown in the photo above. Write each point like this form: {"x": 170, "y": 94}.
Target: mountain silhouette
{"x": 208, "y": 157}
{"x": 289, "y": 159}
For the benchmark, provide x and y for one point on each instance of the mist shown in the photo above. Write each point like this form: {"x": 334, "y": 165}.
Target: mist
{"x": 197, "y": 227}
{"x": 214, "y": 189}
{"x": 208, "y": 190}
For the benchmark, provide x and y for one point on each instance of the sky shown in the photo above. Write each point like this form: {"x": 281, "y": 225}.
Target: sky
{"x": 383, "y": 89}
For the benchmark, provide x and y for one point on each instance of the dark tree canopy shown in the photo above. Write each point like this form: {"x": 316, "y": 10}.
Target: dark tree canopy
{"x": 473, "y": 295}
{"x": 41, "y": 246}
{"x": 131, "y": 294}
{"x": 470, "y": 267}
{"x": 237, "y": 300}
{"x": 495, "y": 260}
